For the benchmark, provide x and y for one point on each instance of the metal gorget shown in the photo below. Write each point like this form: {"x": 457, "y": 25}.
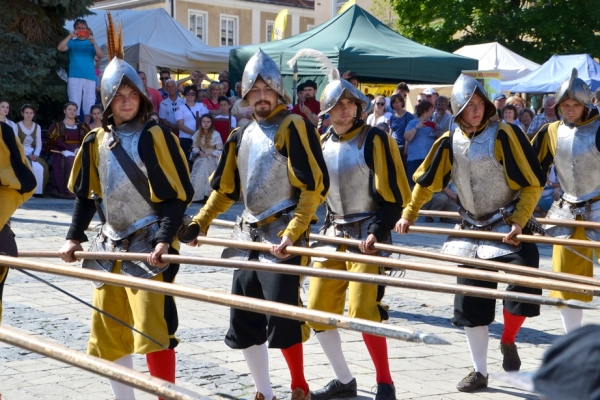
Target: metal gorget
{"x": 478, "y": 176}
{"x": 125, "y": 210}
{"x": 577, "y": 161}
{"x": 264, "y": 171}
{"x": 350, "y": 195}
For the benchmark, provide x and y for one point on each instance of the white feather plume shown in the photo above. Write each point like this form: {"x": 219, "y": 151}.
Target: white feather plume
{"x": 325, "y": 63}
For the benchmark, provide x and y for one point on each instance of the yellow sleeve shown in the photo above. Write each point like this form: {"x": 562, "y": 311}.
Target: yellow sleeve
{"x": 17, "y": 182}
{"x": 390, "y": 177}
{"x": 85, "y": 177}
{"x": 544, "y": 145}
{"x": 432, "y": 176}
{"x": 521, "y": 169}
{"x": 307, "y": 171}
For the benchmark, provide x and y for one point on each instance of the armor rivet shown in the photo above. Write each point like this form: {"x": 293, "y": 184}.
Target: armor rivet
{"x": 114, "y": 88}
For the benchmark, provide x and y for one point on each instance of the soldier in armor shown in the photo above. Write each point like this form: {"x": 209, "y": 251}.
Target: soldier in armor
{"x": 17, "y": 185}
{"x": 140, "y": 212}
{"x": 572, "y": 145}
{"x": 368, "y": 190}
{"x": 275, "y": 163}
{"x": 499, "y": 182}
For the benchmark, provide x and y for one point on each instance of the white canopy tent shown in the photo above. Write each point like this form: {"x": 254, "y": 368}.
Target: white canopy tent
{"x": 494, "y": 56}
{"x": 152, "y": 38}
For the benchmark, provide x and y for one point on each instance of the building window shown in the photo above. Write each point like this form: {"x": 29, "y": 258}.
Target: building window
{"x": 197, "y": 24}
{"x": 269, "y": 30}
{"x": 309, "y": 27}
{"x": 229, "y": 30}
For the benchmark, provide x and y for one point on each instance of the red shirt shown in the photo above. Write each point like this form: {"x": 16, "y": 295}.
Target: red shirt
{"x": 211, "y": 106}
{"x": 312, "y": 105}
{"x": 155, "y": 97}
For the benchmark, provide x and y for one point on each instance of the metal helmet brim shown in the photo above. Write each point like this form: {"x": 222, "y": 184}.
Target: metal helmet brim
{"x": 261, "y": 66}
{"x": 576, "y": 89}
{"x": 119, "y": 73}
{"x": 464, "y": 88}
{"x": 341, "y": 89}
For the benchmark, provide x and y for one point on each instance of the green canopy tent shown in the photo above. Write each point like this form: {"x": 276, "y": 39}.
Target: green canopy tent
{"x": 355, "y": 40}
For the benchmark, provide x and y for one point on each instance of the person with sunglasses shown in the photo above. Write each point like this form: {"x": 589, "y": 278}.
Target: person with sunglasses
{"x": 187, "y": 118}
{"x": 379, "y": 114}
{"x": 164, "y": 76}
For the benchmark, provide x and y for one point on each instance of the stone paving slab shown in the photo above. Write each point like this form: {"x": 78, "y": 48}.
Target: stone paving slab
{"x": 207, "y": 366}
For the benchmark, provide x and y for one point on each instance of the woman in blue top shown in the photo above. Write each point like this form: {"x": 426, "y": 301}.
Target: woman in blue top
{"x": 419, "y": 137}
{"x": 82, "y": 49}
{"x": 399, "y": 120}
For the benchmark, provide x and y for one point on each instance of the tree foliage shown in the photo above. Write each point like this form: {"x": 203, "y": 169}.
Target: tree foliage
{"x": 534, "y": 29}
{"x": 30, "y": 30}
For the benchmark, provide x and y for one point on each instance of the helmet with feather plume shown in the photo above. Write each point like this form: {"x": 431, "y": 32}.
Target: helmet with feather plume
{"x": 119, "y": 73}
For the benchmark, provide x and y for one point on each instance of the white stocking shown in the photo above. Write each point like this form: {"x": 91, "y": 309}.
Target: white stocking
{"x": 257, "y": 358}
{"x": 120, "y": 390}
{"x": 331, "y": 343}
{"x": 478, "y": 339}
{"x": 571, "y": 318}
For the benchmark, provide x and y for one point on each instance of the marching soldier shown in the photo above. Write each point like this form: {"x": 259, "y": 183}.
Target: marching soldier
{"x": 367, "y": 193}
{"x": 499, "y": 182}
{"x": 276, "y": 164}
{"x": 572, "y": 145}
{"x": 140, "y": 172}
{"x": 17, "y": 185}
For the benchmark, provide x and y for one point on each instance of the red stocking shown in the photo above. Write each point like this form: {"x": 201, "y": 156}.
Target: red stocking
{"x": 377, "y": 347}
{"x": 294, "y": 357}
{"x": 512, "y": 324}
{"x": 161, "y": 364}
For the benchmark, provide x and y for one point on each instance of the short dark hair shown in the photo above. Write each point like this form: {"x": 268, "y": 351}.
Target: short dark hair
{"x": 403, "y": 86}
{"x": 300, "y": 88}
{"x": 96, "y": 106}
{"x": 165, "y": 71}
{"x": 141, "y": 72}
{"x": 442, "y": 98}
{"x": 222, "y": 98}
{"x": 69, "y": 103}
{"x": 526, "y": 111}
{"x": 189, "y": 88}
{"x": 397, "y": 97}
{"x": 26, "y": 106}
{"x": 422, "y": 107}
{"x": 510, "y": 107}
{"x": 79, "y": 21}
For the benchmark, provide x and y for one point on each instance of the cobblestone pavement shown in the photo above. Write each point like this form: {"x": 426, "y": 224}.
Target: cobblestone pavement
{"x": 206, "y": 365}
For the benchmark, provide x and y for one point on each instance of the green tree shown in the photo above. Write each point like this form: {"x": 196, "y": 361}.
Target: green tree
{"x": 535, "y": 29}
{"x": 30, "y": 30}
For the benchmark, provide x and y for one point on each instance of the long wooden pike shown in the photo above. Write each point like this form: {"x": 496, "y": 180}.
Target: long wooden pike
{"x": 330, "y": 274}
{"x": 498, "y": 236}
{"x": 558, "y": 222}
{"x": 476, "y": 262}
{"x": 98, "y": 366}
{"x": 416, "y": 266}
{"x": 229, "y": 300}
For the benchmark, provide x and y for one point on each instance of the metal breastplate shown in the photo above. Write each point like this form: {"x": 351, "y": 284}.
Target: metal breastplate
{"x": 263, "y": 171}
{"x": 478, "y": 176}
{"x": 577, "y": 162}
{"x": 125, "y": 209}
{"x": 350, "y": 195}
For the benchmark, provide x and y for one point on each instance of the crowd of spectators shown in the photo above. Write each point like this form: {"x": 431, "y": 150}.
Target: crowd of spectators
{"x": 202, "y": 112}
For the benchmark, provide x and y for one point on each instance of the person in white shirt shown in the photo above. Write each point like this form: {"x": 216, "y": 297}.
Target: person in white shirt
{"x": 187, "y": 117}
{"x": 169, "y": 106}
{"x": 30, "y": 136}
{"x": 379, "y": 114}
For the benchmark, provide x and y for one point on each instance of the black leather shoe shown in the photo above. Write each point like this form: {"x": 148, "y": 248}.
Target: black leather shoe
{"x": 510, "y": 360}
{"x": 335, "y": 390}
{"x": 385, "y": 391}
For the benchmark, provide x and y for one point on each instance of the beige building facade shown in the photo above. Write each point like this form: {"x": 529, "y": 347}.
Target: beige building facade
{"x": 227, "y": 22}
{"x": 327, "y": 9}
